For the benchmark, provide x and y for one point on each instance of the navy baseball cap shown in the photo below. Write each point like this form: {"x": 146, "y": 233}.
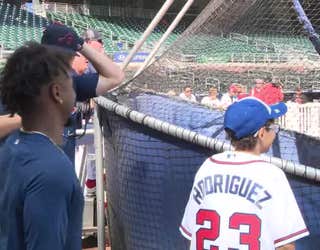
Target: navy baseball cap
{"x": 246, "y": 116}
{"x": 60, "y": 35}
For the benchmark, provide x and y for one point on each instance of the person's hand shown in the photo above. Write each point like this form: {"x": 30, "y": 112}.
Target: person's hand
{"x": 63, "y": 36}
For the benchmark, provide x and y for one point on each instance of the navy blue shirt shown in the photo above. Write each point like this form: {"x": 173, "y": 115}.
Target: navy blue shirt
{"x": 85, "y": 88}
{"x": 41, "y": 201}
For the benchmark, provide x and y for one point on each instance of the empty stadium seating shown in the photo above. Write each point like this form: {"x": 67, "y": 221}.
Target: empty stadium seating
{"x": 18, "y": 25}
{"x": 116, "y": 30}
{"x": 119, "y": 34}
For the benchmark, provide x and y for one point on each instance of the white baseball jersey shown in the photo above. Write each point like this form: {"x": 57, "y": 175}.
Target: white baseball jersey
{"x": 240, "y": 202}
{"x": 211, "y": 103}
{"x": 192, "y": 98}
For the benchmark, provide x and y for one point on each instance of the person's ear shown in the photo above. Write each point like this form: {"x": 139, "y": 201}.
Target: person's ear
{"x": 55, "y": 92}
{"x": 261, "y": 132}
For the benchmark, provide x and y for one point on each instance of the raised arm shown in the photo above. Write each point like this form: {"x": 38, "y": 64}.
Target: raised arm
{"x": 110, "y": 74}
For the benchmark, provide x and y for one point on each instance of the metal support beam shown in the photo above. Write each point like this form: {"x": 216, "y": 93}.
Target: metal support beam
{"x": 147, "y": 32}
{"x": 99, "y": 181}
{"x": 165, "y": 36}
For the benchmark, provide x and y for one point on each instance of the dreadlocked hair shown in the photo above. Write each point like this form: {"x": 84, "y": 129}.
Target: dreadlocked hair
{"x": 27, "y": 70}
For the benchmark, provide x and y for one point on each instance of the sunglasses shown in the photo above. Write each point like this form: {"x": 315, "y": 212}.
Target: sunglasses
{"x": 274, "y": 127}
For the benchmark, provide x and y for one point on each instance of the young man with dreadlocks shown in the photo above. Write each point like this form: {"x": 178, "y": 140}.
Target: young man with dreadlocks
{"x": 41, "y": 201}
{"x": 239, "y": 201}
{"x": 108, "y": 75}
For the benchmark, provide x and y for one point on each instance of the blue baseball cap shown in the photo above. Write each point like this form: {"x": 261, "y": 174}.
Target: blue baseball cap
{"x": 246, "y": 116}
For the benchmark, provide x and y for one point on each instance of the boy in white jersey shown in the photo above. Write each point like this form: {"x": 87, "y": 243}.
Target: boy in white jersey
{"x": 238, "y": 201}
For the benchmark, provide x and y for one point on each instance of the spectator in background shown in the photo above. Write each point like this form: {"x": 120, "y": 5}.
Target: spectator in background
{"x": 272, "y": 92}
{"x": 187, "y": 95}
{"x": 41, "y": 201}
{"x": 242, "y": 93}
{"x": 256, "y": 91}
{"x": 299, "y": 97}
{"x": 211, "y": 100}
{"x": 230, "y": 97}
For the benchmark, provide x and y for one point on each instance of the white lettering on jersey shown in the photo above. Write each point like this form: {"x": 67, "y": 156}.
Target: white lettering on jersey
{"x": 231, "y": 184}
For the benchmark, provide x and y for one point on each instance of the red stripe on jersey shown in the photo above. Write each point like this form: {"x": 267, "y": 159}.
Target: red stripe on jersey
{"x": 234, "y": 162}
{"x": 185, "y": 231}
{"x": 291, "y": 235}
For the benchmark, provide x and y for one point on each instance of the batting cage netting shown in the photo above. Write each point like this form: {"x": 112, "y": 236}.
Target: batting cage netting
{"x": 154, "y": 142}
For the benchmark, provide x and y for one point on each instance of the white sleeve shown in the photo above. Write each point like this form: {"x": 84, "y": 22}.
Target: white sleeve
{"x": 189, "y": 218}
{"x": 186, "y": 224}
{"x": 288, "y": 224}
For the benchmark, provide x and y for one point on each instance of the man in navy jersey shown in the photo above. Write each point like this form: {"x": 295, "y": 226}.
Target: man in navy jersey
{"x": 108, "y": 76}
{"x": 41, "y": 201}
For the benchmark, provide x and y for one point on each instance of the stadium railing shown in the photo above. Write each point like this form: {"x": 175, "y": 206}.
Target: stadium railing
{"x": 99, "y": 10}
{"x": 302, "y": 118}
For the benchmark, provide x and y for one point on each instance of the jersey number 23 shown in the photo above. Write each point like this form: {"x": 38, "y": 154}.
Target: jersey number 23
{"x": 250, "y": 238}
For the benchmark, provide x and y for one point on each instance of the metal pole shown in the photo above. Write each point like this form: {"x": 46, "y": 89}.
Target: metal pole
{"x": 147, "y": 32}
{"x": 83, "y": 167}
{"x": 165, "y": 36}
{"x": 99, "y": 181}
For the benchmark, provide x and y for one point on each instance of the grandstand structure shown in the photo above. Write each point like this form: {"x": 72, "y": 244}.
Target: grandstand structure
{"x": 116, "y": 31}
{"x": 18, "y": 26}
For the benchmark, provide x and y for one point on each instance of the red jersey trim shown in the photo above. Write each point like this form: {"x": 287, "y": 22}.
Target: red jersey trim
{"x": 234, "y": 163}
{"x": 291, "y": 235}
{"x": 185, "y": 231}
